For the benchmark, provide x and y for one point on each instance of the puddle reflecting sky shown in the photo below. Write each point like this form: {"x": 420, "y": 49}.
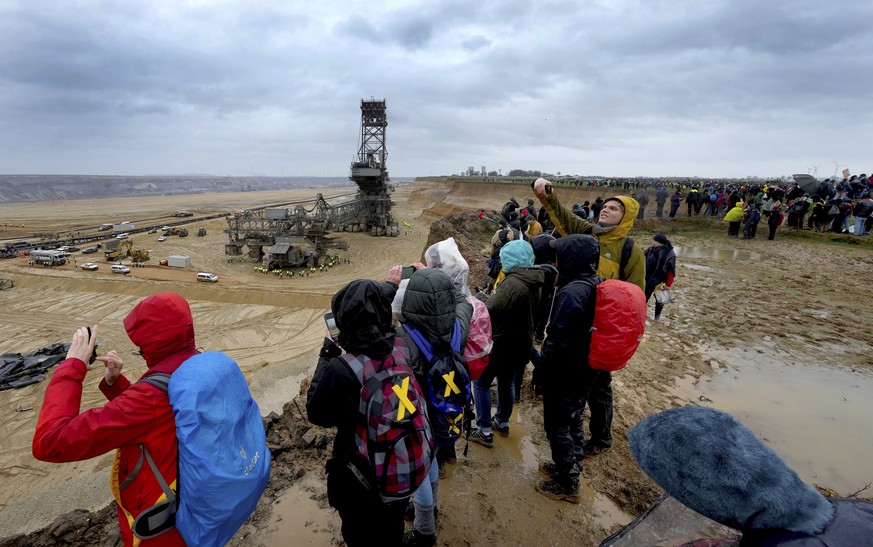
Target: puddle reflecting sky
{"x": 817, "y": 418}
{"x": 724, "y": 255}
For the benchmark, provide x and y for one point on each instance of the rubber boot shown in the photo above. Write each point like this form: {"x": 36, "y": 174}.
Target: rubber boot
{"x": 417, "y": 539}
{"x": 423, "y": 531}
{"x": 559, "y": 490}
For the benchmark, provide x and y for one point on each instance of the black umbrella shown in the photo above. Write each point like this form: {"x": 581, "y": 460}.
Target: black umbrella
{"x": 807, "y": 183}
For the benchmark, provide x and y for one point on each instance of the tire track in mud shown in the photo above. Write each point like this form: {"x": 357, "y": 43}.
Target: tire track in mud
{"x": 252, "y": 331}
{"x": 142, "y": 288}
{"x": 269, "y": 326}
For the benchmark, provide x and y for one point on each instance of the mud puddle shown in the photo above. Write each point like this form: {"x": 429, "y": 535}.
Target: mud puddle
{"x": 299, "y": 519}
{"x": 521, "y": 448}
{"x": 816, "y": 417}
{"x": 301, "y": 515}
{"x": 723, "y": 255}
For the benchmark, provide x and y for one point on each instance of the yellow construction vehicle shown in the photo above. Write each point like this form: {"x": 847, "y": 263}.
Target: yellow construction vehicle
{"x": 124, "y": 250}
{"x": 139, "y": 255}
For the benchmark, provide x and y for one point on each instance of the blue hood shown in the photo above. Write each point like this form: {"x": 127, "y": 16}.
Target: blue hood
{"x": 516, "y": 253}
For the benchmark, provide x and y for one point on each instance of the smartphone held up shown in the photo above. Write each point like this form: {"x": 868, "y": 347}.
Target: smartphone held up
{"x": 93, "y": 353}
{"x": 330, "y": 323}
{"x": 407, "y": 272}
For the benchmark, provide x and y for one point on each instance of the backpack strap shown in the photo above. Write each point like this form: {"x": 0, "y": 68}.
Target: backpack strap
{"x": 356, "y": 364}
{"x": 171, "y": 497}
{"x": 135, "y": 471}
{"x": 456, "y": 336}
{"x": 626, "y": 251}
{"x": 158, "y": 518}
{"x": 160, "y": 380}
{"x": 425, "y": 346}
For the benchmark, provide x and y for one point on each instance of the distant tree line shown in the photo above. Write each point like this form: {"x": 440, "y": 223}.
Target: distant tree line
{"x": 525, "y": 173}
{"x": 483, "y": 172}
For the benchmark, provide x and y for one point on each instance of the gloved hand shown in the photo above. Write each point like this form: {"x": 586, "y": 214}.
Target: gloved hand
{"x": 662, "y": 287}
{"x": 329, "y": 348}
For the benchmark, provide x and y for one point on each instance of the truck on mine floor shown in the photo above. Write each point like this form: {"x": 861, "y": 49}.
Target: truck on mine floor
{"x": 48, "y": 257}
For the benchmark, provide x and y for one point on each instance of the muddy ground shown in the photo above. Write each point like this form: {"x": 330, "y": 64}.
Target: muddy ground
{"x": 803, "y": 297}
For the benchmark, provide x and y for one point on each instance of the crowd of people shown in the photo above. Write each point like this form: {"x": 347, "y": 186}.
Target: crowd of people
{"x": 538, "y": 308}
{"x": 324, "y": 265}
{"x": 844, "y": 206}
{"x": 408, "y": 370}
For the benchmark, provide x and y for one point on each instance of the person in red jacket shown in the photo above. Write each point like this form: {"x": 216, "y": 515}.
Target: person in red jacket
{"x": 137, "y": 414}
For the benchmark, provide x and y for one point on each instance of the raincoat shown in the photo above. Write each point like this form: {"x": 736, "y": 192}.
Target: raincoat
{"x": 611, "y": 239}
{"x": 136, "y": 414}
{"x": 446, "y": 256}
{"x": 735, "y": 214}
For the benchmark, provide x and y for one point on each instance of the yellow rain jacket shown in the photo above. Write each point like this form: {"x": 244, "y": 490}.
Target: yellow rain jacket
{"x": 735, "y": 214}
{"x": 611, "y": 242}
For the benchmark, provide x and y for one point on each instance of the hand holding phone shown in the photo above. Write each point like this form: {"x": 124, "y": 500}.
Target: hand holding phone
{"x": 407, "y": 272}
{"x": 93, "y": 353}
{"x": 542, "y": 187}
{"x": 330, "y": 323}
{"x": 83, "y": 347}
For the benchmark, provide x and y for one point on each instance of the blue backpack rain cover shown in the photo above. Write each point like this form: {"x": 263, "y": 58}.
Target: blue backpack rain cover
{"x": 448, "y": 386}
{"x": 224, "y": 463}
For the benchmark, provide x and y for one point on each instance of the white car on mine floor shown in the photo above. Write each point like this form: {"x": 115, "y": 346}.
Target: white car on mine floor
{"x": 90, "y": 266}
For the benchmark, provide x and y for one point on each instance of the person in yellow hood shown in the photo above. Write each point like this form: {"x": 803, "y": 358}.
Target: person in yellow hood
{"x": 734, "y": 217}
{"x": 620, "y": 258}
{"x": 611, "y": 229}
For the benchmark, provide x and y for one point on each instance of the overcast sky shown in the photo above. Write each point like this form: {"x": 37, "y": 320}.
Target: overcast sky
{"x": 647, "y": 87}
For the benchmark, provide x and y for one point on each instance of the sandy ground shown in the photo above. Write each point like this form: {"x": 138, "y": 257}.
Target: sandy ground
{"x": 784, "y": 299}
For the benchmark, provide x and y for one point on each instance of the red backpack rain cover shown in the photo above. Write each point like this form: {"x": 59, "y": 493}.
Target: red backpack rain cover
{"x": 619, "y": 324}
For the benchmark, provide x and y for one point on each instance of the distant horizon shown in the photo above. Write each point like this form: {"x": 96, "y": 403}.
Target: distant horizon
{"x": 400, "y": 177}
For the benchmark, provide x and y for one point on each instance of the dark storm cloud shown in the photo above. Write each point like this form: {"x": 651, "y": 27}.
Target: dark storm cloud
{"x": 128, "y": 64}
{"x": 564, "y": 85}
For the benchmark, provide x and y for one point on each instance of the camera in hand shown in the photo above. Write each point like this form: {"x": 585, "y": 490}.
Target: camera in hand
{"x": 94, "y": 353}
{"x": 407, "y": 272}
{"x": 330, "y": 322}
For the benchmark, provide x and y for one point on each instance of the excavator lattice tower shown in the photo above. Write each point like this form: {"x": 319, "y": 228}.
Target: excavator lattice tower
{"x": 370, "y": 172}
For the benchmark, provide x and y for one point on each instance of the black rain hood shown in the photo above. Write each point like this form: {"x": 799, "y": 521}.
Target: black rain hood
{"x": 362, "y": 310}
{"x": 578, "y": 255}
{"x": 429, "y": 306}
{"x": 544, "y": 252}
